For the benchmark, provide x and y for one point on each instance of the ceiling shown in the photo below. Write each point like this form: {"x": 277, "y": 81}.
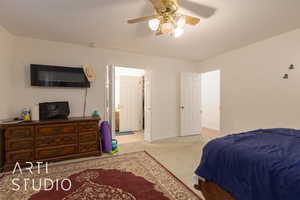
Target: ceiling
{"x": 235, "y": 23}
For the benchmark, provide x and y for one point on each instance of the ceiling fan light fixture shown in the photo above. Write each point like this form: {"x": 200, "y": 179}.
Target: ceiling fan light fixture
{"x": 167, "y": 27}
{"x": 180, "y": 21}
{"x": 178, "y": 32}
{"x": 154, "y": 24}
{"x": 166, "y": 18}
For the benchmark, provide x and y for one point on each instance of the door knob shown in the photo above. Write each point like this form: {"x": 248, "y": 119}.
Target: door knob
{"x": 181, "y": 107}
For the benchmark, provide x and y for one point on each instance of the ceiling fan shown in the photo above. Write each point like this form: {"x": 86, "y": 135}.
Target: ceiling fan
{"x": 167, "y": 19}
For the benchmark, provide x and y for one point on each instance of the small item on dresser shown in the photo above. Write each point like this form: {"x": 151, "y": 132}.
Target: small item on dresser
{"x": 26, "y": 114}
{"x": 95, "y": 113}
{"x": 11, "y": 121}
{"x": 35, "y": 113}
{"x": 54, "y": 110}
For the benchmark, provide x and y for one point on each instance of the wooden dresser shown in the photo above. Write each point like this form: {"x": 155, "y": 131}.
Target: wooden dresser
{"x": 48, "y": 141}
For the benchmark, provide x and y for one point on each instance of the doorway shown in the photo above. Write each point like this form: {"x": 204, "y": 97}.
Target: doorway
{"x": 129, "y": 104}
{"x": 200, "y": 103}
{"x": 210, "y": 98}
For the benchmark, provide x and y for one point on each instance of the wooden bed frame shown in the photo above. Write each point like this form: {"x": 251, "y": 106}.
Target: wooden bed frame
{"x": 212, "y": 191}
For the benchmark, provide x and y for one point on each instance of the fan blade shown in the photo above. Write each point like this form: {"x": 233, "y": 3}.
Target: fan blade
{"x": 197, "y": 9}
{"x": 157, "y": 4}
{"x": 141, "y": 19}
{"x": 141, "y": 29}
{"x": 191, "y": 20}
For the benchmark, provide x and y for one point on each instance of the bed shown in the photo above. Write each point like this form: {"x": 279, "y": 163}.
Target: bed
{"x": 258, "y": 165}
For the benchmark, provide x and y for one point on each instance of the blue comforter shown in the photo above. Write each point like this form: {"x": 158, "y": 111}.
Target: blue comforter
{"x": 258, "y": 165}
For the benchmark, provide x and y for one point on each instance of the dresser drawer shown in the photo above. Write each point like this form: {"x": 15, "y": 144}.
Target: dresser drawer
{"x": 88, "y": 147}
{"x": 54, "y": 152}
{"x": 48, "y": 130}
{"x": 20, "y": 156}
{"x": 49, "y": 141}
{"x": 15, "y": 145}
{"x": 19, "y": 132}
{"x": 88, "y": 126}
{"x": 88, "y": 137}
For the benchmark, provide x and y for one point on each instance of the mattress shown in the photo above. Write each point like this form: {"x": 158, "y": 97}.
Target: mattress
{"x": 258, "y": 165}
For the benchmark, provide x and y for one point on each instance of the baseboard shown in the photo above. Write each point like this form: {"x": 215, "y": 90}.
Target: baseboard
{"x": 211, "y": 129}
{"x": 162, "y": 138}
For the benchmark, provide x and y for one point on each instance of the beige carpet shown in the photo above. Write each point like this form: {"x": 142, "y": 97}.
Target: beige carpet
{"x": 138, "y": 136}
{"x": 181, "y": 155}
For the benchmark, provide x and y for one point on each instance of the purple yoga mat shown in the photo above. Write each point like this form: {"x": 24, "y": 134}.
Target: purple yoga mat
{"x": 106, "y": 137}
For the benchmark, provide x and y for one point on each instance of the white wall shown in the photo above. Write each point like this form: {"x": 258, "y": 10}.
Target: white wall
{"x": 165, "y": 79}
{"x": 129, "y": 71}
{"x": 6, "y": 60}
{"x": 253, "y": 93}
{"x": 210, "y": 99}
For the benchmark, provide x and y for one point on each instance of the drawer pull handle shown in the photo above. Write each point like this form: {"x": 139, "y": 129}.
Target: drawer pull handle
{"x": 87, "y": 127}
{"x": 58, "y": 129}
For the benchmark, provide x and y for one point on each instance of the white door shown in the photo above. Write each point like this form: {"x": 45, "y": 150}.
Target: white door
{"x": 147, "y": 106}
{"x": 131, "y": 103}
{"x": 110, "y": 97}
{"x": 190, "y": 106}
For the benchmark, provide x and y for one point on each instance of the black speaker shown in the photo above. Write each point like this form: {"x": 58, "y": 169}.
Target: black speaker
{"x": 54, "y": 110}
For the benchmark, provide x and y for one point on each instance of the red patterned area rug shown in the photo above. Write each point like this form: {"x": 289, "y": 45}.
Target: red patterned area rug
{"x": 134, "y": 176}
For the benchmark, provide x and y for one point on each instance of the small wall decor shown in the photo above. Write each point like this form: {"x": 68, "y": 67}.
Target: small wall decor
{"x": 291, "y": 67}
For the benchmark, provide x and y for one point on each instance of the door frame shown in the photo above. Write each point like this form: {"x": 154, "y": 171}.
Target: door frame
{"x": 148, "y": 106}
{"x": 110, "y": 100}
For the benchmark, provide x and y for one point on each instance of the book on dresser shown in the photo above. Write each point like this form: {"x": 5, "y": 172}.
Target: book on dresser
{"x": 48, "y": 141}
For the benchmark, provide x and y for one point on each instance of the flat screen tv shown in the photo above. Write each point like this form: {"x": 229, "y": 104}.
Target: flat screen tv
{"x": 58, "y": 76}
